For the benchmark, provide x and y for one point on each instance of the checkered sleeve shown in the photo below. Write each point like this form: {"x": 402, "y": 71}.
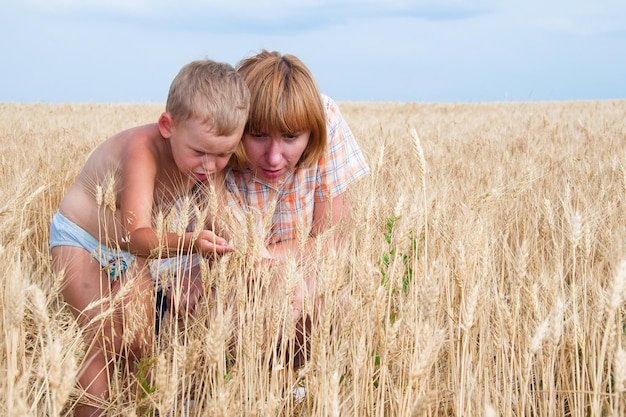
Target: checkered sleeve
{"x": 344, "y": 162}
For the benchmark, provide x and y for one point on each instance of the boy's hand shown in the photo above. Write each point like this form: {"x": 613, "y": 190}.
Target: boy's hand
{"x": 208, "y": 243}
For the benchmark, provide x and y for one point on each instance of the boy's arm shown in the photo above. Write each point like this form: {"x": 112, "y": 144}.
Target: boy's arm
{"x": 136, "y": 193}
{"x": 136, "y": 199}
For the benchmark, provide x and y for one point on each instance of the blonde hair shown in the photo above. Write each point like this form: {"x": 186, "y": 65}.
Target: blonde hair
{"x": 284, "y": 97}
{"x": 212, "y": 92}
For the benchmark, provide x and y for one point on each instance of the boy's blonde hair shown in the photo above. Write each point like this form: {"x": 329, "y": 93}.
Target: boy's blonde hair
{"x": 284, "y": 97}
{"x": 212, "y": 92}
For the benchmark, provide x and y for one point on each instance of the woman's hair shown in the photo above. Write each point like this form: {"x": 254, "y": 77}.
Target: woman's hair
{"x": 212, "y": 92}
{"x": 285, "y": 98}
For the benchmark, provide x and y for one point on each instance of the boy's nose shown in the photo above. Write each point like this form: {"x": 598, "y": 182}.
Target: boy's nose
{"x": 208, "y": 165}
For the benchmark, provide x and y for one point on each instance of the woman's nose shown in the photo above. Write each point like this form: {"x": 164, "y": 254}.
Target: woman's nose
{"x": 274, "y": 152}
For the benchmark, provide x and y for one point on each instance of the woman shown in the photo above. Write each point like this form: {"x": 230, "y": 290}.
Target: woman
{"x": 295, "y": 162}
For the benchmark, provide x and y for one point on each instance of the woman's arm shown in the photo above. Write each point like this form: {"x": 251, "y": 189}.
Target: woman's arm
{"x": 327, "y": 215}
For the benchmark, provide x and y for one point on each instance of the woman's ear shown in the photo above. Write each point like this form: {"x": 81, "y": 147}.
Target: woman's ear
{"x": 165, "y": 125}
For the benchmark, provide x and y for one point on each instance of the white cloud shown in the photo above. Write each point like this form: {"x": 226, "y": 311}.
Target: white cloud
{"x": 127, "y": 50}
{"x": 264, "y": 13}
{"x": 279, "y": 16}
{"x": 577, "y": 17}
{"x": 61, "y": 7}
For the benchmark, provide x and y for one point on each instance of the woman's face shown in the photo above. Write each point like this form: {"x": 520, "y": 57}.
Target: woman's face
{"x": 272, "y": 155}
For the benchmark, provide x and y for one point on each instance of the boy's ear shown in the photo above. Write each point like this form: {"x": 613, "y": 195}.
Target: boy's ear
{"x": 165, "y": 125}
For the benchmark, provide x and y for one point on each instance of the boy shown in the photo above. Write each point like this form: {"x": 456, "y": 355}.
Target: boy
{"x": 102, "y": 235}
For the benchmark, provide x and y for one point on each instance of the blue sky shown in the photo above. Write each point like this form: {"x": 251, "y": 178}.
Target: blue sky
{"x": 359, "y": 50}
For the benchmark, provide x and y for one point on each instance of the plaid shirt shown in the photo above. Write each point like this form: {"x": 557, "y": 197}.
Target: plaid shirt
{"x": 296, "y": 193}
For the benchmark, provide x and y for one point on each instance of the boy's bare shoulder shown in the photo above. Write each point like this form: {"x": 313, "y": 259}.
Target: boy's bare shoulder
{"x": 145, "y": 136}
{"x": 128, "y": 144}
{"x": 133, "y": 144}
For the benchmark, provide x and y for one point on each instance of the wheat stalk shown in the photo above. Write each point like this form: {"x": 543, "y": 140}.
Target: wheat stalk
{"x": 524, "y": 206}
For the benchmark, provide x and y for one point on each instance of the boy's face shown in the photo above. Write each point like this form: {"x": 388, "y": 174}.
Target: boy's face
{"x": 197, "y": 151}
{"x": 271, "y": 155}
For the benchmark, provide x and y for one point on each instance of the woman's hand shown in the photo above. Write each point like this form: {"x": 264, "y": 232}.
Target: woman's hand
{"x": 183, "y": 297}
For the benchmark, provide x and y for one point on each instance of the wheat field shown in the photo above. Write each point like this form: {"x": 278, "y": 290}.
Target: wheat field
{"x": 483, "y": 273}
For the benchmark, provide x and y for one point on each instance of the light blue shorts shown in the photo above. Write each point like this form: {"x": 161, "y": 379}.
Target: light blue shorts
{"x": 64, "y": 232}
